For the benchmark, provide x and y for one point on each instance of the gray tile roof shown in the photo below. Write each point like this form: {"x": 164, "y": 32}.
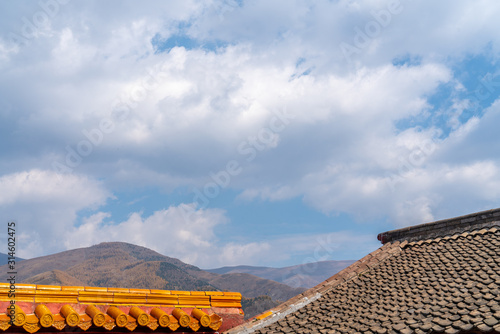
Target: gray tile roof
{"x": 439, "y": 277}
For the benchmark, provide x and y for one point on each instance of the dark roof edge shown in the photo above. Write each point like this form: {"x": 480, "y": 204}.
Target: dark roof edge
{"x": 442, "y": 228}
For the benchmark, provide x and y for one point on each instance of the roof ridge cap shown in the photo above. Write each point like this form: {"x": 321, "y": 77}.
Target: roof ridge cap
{"x": 474, "y": 232}
{"x": 445, "y": 227}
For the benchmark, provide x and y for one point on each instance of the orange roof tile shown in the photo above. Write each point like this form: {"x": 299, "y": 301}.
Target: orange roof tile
{"x": 56, "y": 307}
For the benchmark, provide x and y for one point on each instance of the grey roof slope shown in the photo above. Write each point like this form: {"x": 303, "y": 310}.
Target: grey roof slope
{"x": 438, "y": 277}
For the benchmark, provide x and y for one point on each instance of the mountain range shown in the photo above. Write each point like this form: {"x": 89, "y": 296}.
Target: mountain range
{"x": 119, "y": 264}
{"x": 304, "y": 275}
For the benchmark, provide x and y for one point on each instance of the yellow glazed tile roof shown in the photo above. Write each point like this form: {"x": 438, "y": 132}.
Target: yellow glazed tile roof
{"x": 98, "y": 295}
{"x": 56, "y": 307}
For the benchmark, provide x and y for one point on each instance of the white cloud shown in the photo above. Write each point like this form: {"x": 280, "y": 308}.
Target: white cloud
{"x": 39, "y": 186}
{"x": 183, "y": 232}
{"x": 191, "y": 109}
{"x": 44, "y": 205}
{"x": 410, "y": 177}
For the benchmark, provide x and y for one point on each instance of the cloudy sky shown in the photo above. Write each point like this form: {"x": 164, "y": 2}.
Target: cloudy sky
{"x": 244, "y": 132}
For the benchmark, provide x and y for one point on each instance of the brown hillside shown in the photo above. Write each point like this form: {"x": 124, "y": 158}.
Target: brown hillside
{"x": 31, "y": 267}
{"x": 138, "y": 274}
{"x": 254, "y": 306}
{"x": 54, "y": 277}
{"x": 252, "y": 286}
{"x": 106, "y": 256}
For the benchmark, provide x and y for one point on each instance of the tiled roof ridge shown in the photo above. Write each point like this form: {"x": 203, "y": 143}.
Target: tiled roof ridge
{"x": 39, "y": 293}
{"x": 407, "y": 243}
{"x": 355, "y": 270}
{"x": 444, "y": 228}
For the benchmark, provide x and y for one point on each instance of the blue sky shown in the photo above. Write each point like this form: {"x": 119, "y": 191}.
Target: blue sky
{"x": 245, "y": 132}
